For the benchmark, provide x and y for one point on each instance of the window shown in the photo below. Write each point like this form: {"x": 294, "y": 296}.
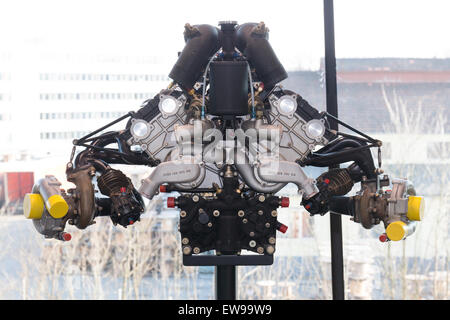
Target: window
{"x": 438, "y": 150}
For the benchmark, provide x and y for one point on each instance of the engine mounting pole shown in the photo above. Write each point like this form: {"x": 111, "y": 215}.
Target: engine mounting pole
{"x": 226, "y": 284}
{"x": 337, "y": 260}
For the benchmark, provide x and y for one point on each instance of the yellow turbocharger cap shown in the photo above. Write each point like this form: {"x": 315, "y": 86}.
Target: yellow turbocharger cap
{"x": 416, "y": 208}
{"x": 57, "y": 206}
{"x": 396, "y": 230}
{"x": 33, "y": 206}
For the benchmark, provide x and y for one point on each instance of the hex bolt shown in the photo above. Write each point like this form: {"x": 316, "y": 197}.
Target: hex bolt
{"x": 274, "y": 213}
{"x": 270, "y": 249}
{"x": 252, "y": 243}
{"x": 195, "y": 198}
{"x": 210, "y": 224}
{"x": 216, "y": 213}
{"x": 183, "y": 213}
{"x": 185, "y": 241}
{"x": 241, "y": 213}
{"x": 196, "y": 250}
{"x": 186, "y": 250}
{"x": 272, "y": 240}
{"x": 244, "y": 220}
{"x": 260, "y": 212}
{"x": 261, "y": 198}
{"x": 260, "y": 250}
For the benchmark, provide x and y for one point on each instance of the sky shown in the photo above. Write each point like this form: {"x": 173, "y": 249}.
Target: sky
{"x": 364, "y": 28}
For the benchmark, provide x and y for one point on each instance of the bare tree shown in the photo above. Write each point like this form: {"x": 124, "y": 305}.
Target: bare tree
{"x": 414, "y": 128}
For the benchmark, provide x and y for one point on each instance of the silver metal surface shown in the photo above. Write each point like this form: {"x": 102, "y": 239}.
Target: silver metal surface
{"x": 160, "y": 140}
{"x": 285, "y": 172}
{"x": 185, "y": 170}
{"x": 296, "y": 142}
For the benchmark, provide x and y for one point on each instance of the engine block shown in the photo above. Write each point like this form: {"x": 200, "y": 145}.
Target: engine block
{"x": 227, "y": 137}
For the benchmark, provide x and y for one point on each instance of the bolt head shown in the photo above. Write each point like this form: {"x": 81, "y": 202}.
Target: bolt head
{"x": 252, "y": 243}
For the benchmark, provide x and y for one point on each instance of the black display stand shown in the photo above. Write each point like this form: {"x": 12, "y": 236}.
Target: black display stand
{"x": 337, "y": 260}
{"x": 226, "y": 284}
{"x": 226, "y": 270}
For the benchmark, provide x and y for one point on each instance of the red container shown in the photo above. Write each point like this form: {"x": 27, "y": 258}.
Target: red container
{"x": 14, "y": 185}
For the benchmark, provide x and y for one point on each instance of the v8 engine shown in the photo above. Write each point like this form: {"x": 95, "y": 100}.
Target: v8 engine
{"x": 227, "y": 137}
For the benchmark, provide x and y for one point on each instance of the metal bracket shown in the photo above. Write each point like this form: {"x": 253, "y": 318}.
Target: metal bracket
{"x": 227, "y": 260}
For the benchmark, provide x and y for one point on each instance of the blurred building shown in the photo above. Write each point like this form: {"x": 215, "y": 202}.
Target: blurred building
{"x": 47, "y": 102}
{"x": 390, "y": 98}
{"x": 421, "y": 83}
